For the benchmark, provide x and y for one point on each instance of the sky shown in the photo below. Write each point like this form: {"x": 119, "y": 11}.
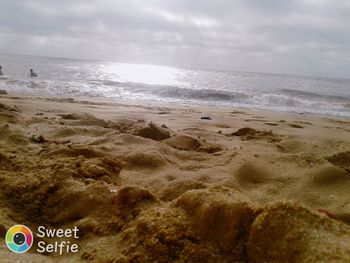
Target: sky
{"x": 308, "y": 37}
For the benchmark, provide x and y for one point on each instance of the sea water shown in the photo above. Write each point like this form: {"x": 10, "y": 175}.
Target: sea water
{"x": 62, "y": 77}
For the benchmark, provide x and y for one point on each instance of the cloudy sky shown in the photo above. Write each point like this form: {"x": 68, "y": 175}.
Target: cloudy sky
{"x": 292, "y": 36}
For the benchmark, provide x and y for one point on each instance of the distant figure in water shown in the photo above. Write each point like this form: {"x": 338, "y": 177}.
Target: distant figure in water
{"x": 32, "y": 73}
{"x": 1, "y": 71}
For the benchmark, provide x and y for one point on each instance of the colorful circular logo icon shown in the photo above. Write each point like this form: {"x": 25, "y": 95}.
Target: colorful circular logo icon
{"x": 19, "y": 239}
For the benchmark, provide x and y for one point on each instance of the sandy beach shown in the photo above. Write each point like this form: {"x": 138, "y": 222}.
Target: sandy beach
{"x": 171, "y": 183}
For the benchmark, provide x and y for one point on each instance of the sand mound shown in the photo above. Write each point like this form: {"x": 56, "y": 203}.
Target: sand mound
{"x": 178, "y": 187}
{"x": 5, "y": 131}
{"x": 125, "y": 125}
{"x": 78, "y": 133}
{"x": 341, "y": 159}
{"x": 325, "y": 186}
{"x": 327, "y": 176}
{"x": 71, "y": 116}
{"x": 94, "y": 168}
{"x": 291, "y": 146}
{"x": 83, "y": 120}
{"x": 165, "y": 235}
{"x": 244, "y": 132}
{"x": 287, "y": 231}
{"x": 7, "y": 163}
{"x": 188, "y": 143}
{"x": 12, "y": 137}
{"x": 153, "y": 132}
{"x": 93, "y": 121}
{"x": 75, "y": 119}
{"x": 247, "y": 134}
{"x": 127, "y": 139}
{"x": 183, "y": 142}
{"x": 74, "y": 151}
{"x": 250, "y": 176}
{"x": 200, "y": 226}
{"x": 210, "y": 148}
{"x": 130, "y": 196}
{"x": 7, "y": 111}
{"x": 230, "y": 215}
{"x": 148, "y": 159}
{"x": 88, "y": 199}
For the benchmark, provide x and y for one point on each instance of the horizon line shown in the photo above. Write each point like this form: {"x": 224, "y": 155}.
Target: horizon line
{"x": 180, "y": 67}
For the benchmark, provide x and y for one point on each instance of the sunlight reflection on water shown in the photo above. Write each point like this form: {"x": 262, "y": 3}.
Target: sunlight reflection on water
{"x": 147, "y": 74}
{"x": 71, "y": 77}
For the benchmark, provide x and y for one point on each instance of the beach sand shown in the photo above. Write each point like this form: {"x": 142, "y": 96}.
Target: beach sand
{"x": 157, "y": 183}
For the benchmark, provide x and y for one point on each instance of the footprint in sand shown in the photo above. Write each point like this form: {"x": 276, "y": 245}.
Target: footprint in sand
{"x": 291, "y": 146}
{"x": 248, "y": 133}
{"x": 71, "y": 116}
{"x": 188, "y": 143}
{"x": 341, "y": 159}
{"x": 297, "y": 126}
{"x": 304, "y": 122}
{"x": 271, "y": 124}
{"x": 153, "y": 132}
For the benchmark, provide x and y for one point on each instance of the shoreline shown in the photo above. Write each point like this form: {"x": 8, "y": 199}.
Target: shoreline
{"x": 146, "y": 182}
{"x": 172, "y": 104}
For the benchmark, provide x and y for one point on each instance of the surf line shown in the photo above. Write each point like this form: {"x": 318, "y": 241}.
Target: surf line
{"x": 57, "y": 246}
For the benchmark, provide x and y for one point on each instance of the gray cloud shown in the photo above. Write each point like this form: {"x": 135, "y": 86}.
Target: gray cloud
{"x": 294, "y": 36}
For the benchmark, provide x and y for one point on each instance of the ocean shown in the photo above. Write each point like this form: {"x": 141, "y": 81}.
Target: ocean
{"x": 62, "y": 77}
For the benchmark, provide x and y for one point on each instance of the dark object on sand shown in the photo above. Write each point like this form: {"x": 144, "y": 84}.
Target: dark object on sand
{"x": 244, "y": 131}
{"x": 3, "y": 92}
{"x": 33, "y": 74}
{"x": 69, "y": 116}
{"x": 59, "y": 142}
{"x": 1, "y": 71}
{"x": 38, "y": 138}
{"x": 206, "y": 118}
{"x": 341, "y": 159}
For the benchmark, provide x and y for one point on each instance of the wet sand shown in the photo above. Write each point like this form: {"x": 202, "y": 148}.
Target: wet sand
{"x": 154, "y": 182}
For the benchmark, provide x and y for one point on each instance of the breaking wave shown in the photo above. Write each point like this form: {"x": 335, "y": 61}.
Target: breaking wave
{"x": 59, "y": 77}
